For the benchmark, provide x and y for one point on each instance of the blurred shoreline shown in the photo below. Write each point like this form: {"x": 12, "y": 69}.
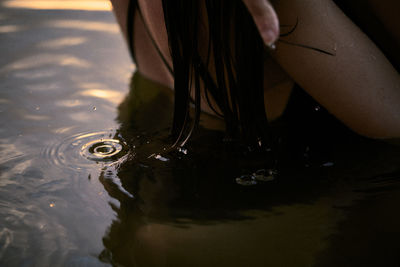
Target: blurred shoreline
{"x": 91, "y": 5}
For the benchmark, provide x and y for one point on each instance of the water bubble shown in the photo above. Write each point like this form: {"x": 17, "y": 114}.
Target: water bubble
{"x": 246, "y": 180}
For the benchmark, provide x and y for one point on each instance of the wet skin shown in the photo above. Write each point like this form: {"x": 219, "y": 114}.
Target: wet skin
{"x": 358, "y": 84}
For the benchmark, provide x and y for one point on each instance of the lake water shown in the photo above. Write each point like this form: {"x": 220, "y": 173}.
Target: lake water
{"x": 85, "y": 179}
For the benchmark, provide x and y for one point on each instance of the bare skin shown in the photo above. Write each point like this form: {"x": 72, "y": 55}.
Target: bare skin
{"x": 265, "y": 18}
{"x": 358, "y": 85}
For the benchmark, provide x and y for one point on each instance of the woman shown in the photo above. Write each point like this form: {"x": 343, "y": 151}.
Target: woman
{"x": 210, "y": 51}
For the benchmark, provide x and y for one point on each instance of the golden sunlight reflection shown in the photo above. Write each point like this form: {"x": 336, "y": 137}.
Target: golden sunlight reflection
{"x": 63, "y": 130}
{"x": 63, "y": 42}
{"x": 81, "y": 116}
{"x": 35, "y": 74}
{"x": 83, "y": 136}
{"x": 93, "y": 5}
{"x": 33, "y": 117}
{"x": 70, "y": 103}
{"x": 85, "y": 25}
{"x": 9, "y": 28}
{"x": 109, "y": 95}
{"x": 46, "y": 59}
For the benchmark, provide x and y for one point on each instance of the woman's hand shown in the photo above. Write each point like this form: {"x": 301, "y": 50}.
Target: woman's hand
{"x": 265, "y": 18}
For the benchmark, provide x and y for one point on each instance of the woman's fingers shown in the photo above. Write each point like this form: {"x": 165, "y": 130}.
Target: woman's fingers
{"x": 265, "y": 18}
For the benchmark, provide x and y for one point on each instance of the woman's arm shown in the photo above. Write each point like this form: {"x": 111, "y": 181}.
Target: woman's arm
{"x": 120, "y": 8}
{"x": 358, "y": 85}
{"x": 148, "y": 61}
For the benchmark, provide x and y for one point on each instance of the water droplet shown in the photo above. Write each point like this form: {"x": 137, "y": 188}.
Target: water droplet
{"x": 94, "y": 108}
{"x": 328, "y": 164}
{"x": 159, "y": 157}
{"x": 246, "y": 180}
{"x": 317, "y": 108}
{"x": 183, "y": 150}
{"x": 37, "y": 108}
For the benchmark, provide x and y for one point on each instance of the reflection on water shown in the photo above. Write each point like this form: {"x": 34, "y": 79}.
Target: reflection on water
{"x": 84, "y": 179}
{"x": 190, "y": 211}
{"x": 63, "y": 42}
{"x": 102, "y": 150}
{"x": 93, "y": 5}
{"x": 108, "y": 95}
{"x": 78, "y": 152}
{"x": 40, "y": 60}
{"x": 85, "y": 25}
{"x": 51, "y": 213}
{"x": 9, "y": 28}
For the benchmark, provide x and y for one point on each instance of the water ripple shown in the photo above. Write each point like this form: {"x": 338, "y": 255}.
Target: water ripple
{"x": 85, "y": 150}
{"x": 6, "y": 238}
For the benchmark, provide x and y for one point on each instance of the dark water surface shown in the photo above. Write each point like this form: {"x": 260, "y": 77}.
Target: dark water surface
{"x": 86, "y": 178}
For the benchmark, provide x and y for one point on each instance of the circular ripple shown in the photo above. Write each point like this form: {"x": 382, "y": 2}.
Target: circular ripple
{"x": 85, "y": 150}
{"x": 102, "y": 149}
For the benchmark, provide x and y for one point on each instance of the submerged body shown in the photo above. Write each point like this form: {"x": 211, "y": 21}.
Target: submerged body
{"x": 356, "y": 83}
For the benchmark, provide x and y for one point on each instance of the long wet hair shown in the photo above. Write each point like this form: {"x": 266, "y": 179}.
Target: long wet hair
{"x": 236, "y": 50}
{"x": 238, "y": 86}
